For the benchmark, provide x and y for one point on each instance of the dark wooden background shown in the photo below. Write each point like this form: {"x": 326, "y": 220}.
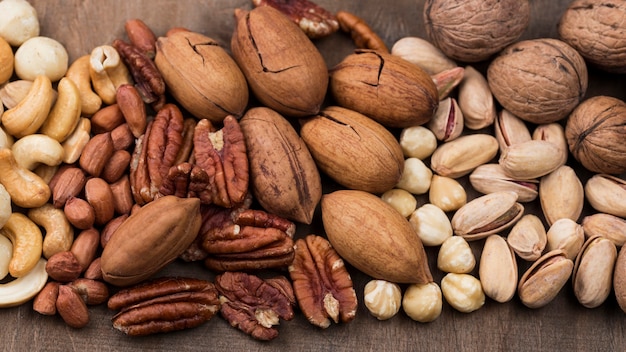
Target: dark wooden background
{"x": 562, "y": 325}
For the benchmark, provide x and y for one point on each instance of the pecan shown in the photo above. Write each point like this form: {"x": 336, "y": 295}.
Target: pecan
{"x": 314, "y": 20}
{"x": 222, "y": 155}
{"x": 321, "y": 282}
{"x": 252, "y": 305}
{"x": 147, "y": 77}
{"x": 187, "y": 180}
{"x": 245, "y": 242}
{"x": 164, "y": 305}
{"x": 362, "y": 34}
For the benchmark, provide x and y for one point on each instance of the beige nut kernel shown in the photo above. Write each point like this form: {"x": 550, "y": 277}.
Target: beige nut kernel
{"x": 78, "y": 72}
{"x": 41, "y": 56}
{"x": 475, "y": 100}
{"x": 593, "y": 271}
{"x": 462, "y": 155}
{"x": 382, "y": 298}
{"x": 555, "y": 134}
{"x": 498, "y": 269}
{"x": 107, "y": 72}
{"x": 6, "y": 207}
{"x": 530, "y": 159}
{"x": 403, "y": 201}
{"x": 456, "y": 256}
{"x": 567, "y": 235}
{"x": 415, "y": 176}
{"x": 423, "y": 302}
{"x": 59, "y": 233}
{"x": 26, "y": 189}
{"x": 31, "y": 111}
{"x": 561, "y": 195}
{"x": 607, "y": 194}
{"x": 528, "y": 237}
{"x": 422, "y": 53}
{"x": 75, "y": 143}
{"x": 32, "y": 150}
{"x": 65, "y": 112}
{"x": 446, "y": 193}
{"x": 431, "y": 225}
{"x": 6, "y": 252}
{"x": 6, "y": 63}
{"x": 510, "y": 129}
{"x": 27, "y": 242}
{"x": 417, "y": 142}
{"x": 463, "y": 292}
{"x": 23, "y": 289}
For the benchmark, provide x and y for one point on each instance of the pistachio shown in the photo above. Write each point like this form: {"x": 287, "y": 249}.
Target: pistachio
{"x": 530, "y": 159}
{"x": 463, "y": 292}
{"x": 462, "y": 155}
{"x": 456, "y": 256}
{"x": 423, "y": 302}
{"x": 447, "y": 80}
{"x": 498, "y": 269}
{"x": 607, "y": 194}
{"x": 561, "y": 194}
{"x": 446, "y": 193}
{"x": 593, "y": 271}
{"x": 606, "y": 225}
{"x": 619, "y": 279}
{"x": 447, "y": 124}
{"x": 476, "y": 100}
{"x": 567, "y": 235}
{"x": 554, "y": 133}
{"x": 422, "y": 53}
{"x": 431, "y": 225}
{"x": 487, "y": 215}
{"x": 543, "y": 280}
{"x": 489, "y": 178}
{"x": 510, "y": 129}
{"x": 528, "y": 237}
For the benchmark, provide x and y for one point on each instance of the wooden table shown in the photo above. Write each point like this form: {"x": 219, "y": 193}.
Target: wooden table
{"x": 562, "y": 325}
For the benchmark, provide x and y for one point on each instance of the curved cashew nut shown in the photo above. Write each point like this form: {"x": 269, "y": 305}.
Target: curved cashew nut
{"x": 23, "y": 289}
{"x": 6, "y": 252}
{"x": 65, "y": 112}
{"x": 107, "y": 72}
{"x": 74, "y": 144}
{"x": 27, "y": 190}
{"x": 78, "y": 72}
{"x": 59, "y": 234}
{"x": 27, "y": 242}
{"x": 5, "y": 206}
{"x": 30, "y": 113}
{"x": 6, "y": 140}
{"x": 29, "y": 151}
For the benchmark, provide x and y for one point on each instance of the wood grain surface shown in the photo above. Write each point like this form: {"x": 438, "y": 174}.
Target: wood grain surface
{"x": 562, "y": 325}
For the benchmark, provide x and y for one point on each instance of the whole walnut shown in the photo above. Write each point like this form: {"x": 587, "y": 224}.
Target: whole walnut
{"x": 538, "y": 80}
{"x": 474, "y": 30}
{"x": 596, "y": 131}
{"x": 597, "y": 29}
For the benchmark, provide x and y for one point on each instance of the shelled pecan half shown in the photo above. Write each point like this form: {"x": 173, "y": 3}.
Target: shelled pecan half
{"x": 164, "y": 305}
{"x": 321, "y": 283}
{"x": 252, "y": 304}
{"x": 314, "y": 20}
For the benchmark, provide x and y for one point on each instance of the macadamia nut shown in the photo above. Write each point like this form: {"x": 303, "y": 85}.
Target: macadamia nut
{"x": 401, "y": 200}
{"x": 463, "y": 292}
{"x": 41, "y": 56}
{"x": 382, "y": 298}
{"x": 18, "y": 21}
{"x": 423, "y": 302}
{"x": 417, "y": 142}
{"x": 431, "y": 225}
{"x": 415, "y": 177}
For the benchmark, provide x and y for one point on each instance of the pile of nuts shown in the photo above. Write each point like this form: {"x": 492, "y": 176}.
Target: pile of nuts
{"x": 144, "y": 152}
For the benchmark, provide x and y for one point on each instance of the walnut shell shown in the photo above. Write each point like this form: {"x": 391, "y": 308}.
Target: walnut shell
{"x": 538, "y": 80}
{"x": 473, "y": 30}
{"x": 596, "y": 28}
{"x": 284, "y": 69}
{"x": 384, "y": 87}
{"x": 596, "y": 131}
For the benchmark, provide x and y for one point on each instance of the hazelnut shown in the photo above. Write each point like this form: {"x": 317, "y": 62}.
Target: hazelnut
{"x": 423, "y": 302}
{"x": 382, "y": 298}
{"x": 463, "y": 292}
{"x": 417, "y": 142}
{"x": 403, "y": 201}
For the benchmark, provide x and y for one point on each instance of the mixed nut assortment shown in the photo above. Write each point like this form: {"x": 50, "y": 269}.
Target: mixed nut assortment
{"x": 157, "y": 149}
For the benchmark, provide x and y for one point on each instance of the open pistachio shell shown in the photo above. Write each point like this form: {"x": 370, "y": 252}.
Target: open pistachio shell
{"x": 487, "y": 215}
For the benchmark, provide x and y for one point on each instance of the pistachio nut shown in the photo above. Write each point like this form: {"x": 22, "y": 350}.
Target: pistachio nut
{"x": 498, "y": 269}
{"x": 487, "y": 215}
{"x": 489, "y": 178}
{"x": 605, "y": 225}
{"x": 447, "y": 123}
{"x": 544, "y": 279}
{"x": 593, "y": 271}
{"x": 607, "y": 194}
{"x": 431, "y": 225}
{"x": 528, "y": 237}
{"x": 446, "y": 81}
{"x": 510, "y": 129}
{"x": 462, "y": 155}
{"x": 476, "y": 100}
{"x": 553, "y": 133}
{"x": 422, "y": 53}
{"x": 619, "y": 279}
{"x": 567, "y": 235}
{"x": 456, "y": 256}
{"x": 561, "y": 195}
{"x": 530, "y": 159}
{"x": 446, "y": 193}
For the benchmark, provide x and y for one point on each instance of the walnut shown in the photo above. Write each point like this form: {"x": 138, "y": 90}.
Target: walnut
{"x": 538, "y": 80}
{"x": 473, "y": 30}
{"x": 595, "y": 133}
{"x": 596, "y": 28}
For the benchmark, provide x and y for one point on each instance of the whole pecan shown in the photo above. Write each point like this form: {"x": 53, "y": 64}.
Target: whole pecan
{"x": 314, "y": 20}
{"x": 164, "y": 305}
{"x": 253, "y": 305}
{"x": 321, "y": 283}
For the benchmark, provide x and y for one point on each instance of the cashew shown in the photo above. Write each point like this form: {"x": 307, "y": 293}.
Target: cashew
{"x": 23, "y": 289}
{"x": 5, "y": 206}
{"x": 30, "y": 113}
{"x": 6, "y": 252}
{"x": 78, "y": 72}
{"x": 107, "y": 72}
{"x": 59, "y": 234}
{"x": 65, "y": 112}
{"x": 74, "y": 144}
{"x": 31, "y": 150}
{"x": 27, "y": 242}
{"x": 46, "y": 172}
{"x": 27, "y": 190}
{"x": 6, "y": 61}
{"x": 6, "y": 140}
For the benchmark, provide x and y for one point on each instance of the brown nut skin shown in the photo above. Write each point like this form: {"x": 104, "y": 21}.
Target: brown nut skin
{"x": 79, "y": 213}
{"x": 106, "y": 119}
{"x": 96, "y": 153}
{"x": 45, "y": 301}
{"x": 72, "y": 308}
{"x": 67, "y": 182}
{"x": 85, "y": 247}
{"x": 98, "y": 194}
{"x": 152, "y": 237}
{"x": 284, "y": 69}
{"x": 63, "y": 267}
{"x": 387, "y": 88}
